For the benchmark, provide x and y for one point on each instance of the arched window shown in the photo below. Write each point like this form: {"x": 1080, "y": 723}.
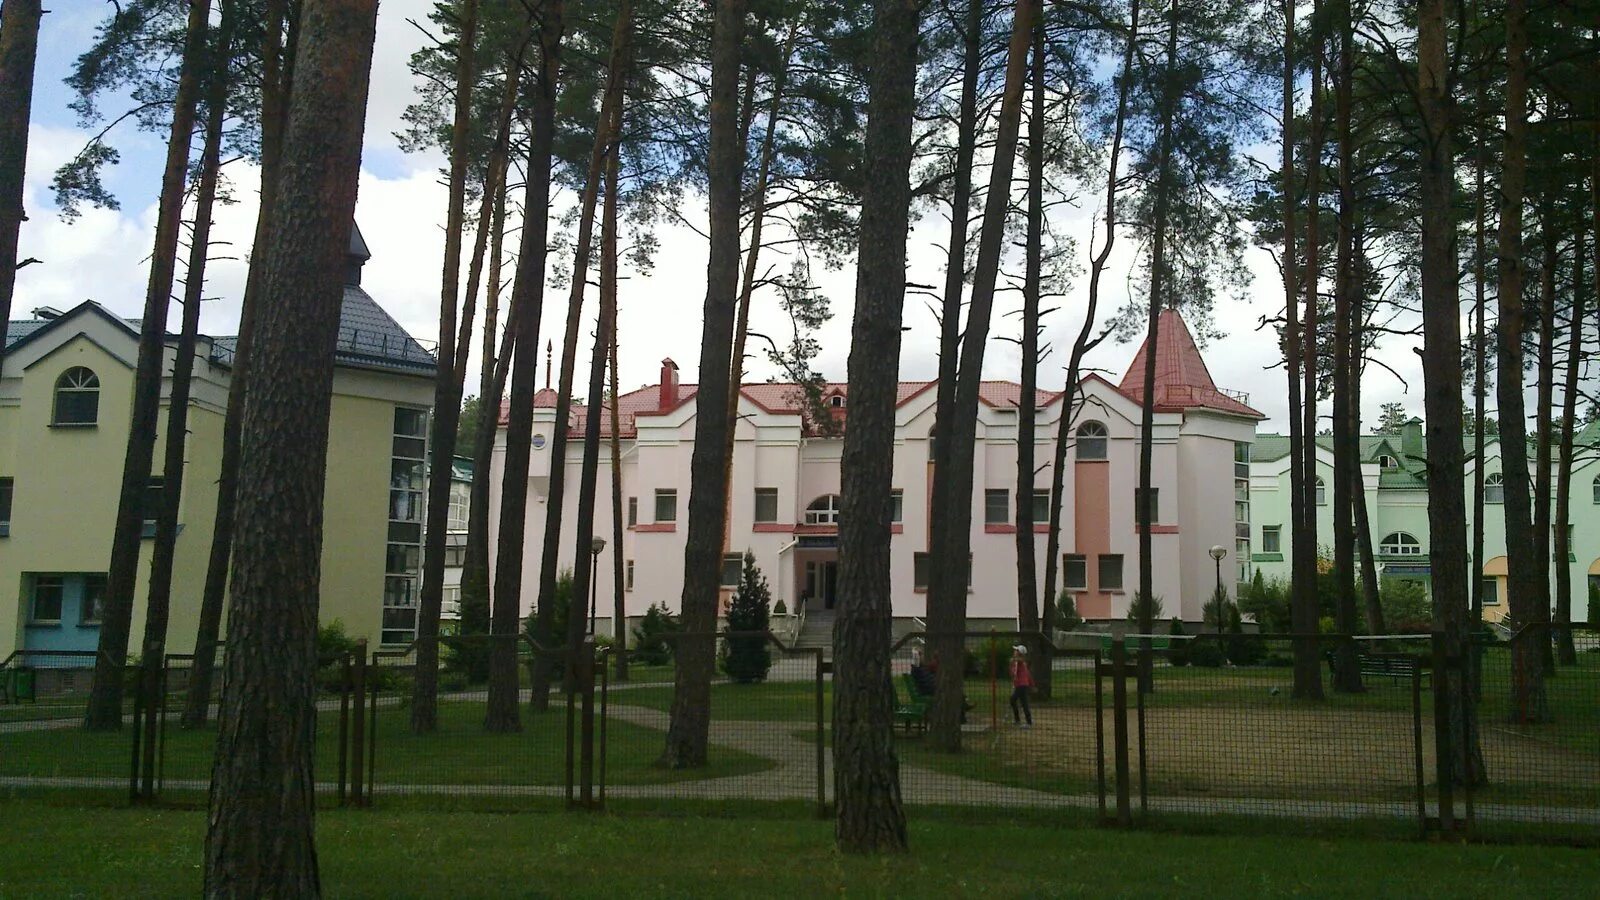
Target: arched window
{"x": 1400, "y": 544}
{"x": 836, "y": 401}
{"x": 823, "y": 511}
{"x": 1091, "y": 441}
{"x": 1494, "y": 489}
{"x": 1322, "y": 492}
{"x": 1385, "y": 461}
{"x": 77, "y": 398}
{"x": 933, "y": 445}
{"x": 1597, "y": 490}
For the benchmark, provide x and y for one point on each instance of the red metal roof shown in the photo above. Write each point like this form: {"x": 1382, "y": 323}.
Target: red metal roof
{"x": 1182, "y": 379}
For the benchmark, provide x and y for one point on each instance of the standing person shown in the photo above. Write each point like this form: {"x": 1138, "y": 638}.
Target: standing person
{"x": 1021, "y": 684}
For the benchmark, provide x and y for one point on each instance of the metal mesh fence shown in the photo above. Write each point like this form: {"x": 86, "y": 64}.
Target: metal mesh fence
{"x": 44, "y": 747}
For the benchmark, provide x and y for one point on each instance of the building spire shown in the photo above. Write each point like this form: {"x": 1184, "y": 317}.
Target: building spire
{"x": 549, "y": 348}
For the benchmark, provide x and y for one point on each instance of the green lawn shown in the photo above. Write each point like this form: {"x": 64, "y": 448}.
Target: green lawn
{"x": 71, "y": 852}
{"x": 459, "y": 753}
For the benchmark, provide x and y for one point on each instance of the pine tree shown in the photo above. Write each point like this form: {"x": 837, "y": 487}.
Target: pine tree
{"x": 747, "y": 659}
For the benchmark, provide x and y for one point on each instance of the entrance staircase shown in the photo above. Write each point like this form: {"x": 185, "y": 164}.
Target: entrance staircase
{"x": 817, "y": 632}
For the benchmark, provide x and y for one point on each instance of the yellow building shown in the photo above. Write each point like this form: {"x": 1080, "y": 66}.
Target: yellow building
{"x": 66, "y": 389}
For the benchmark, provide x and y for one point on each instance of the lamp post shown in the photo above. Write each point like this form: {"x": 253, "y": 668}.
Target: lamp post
{"x": 595, "y": 546}
{"x": 1217, "y": 553}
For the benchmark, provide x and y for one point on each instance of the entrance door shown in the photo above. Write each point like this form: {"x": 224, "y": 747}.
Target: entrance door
{"x": 822, "y": 582}
{"x": 830, "y": 583}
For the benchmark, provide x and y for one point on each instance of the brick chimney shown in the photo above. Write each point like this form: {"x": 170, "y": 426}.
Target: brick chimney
{"x": 669, "y": 384}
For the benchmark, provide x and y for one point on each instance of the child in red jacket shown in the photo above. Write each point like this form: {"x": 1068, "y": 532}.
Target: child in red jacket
{"x": 1021, "y": 684}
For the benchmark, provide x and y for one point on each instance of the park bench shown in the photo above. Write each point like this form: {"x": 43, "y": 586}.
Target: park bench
{"x": 910, "y": 711}
{"x": 1379, "y": 665}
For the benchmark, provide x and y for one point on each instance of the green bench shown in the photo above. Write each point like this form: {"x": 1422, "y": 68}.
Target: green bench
{"x": 17, "y": 685}
{"x": 910, "y": 708}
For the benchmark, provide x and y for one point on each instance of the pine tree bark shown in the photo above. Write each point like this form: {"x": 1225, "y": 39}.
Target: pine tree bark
{"x": 1544, "y": 392}
{"x": 104, "y": 711}
{"x": 19, "y": 49}
{"x": 1527, "y": 586}
{"x": 689, "y": 723}
{"x": 1027, "y": 413}
{"x": 1143, "y": 512}
{"x": 1346, "y": 370}
{"x": 1480, "y": 368}
{"x": 1565, "y": 652}
{"x": 871, "y": 818}
{"x": 260, "y": 839}
{"x": 1083, "y": 343}
{"x": 951, "y": 544}
{"x": 608, "y": 269}
{"x": 555, "y": 503}
{"x": 1363, "y": 525}
{"x": 447, "y": 386}
{"x": 1441, "y": 368}
{"x": 584, "y": 565}
{"x": 276, "y": 72}
{"x": 527, "y": 306}
{"x": 159, "y": 600}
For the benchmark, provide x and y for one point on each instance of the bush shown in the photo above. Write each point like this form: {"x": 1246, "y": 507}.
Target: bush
{"x": 650, "y": 646}
{"x": 748, "y": 659}
{"x": 1405, "y": 606}
{"x": 1206, "y": 652}
{"x": 778, "y": 609}
{"x": 1139, "y": 603}
{"x": 1067, "y": 617}
{"x": 1178, "y": 655}
{"x": 1267, "y": 602}
{"x": 993, "y": 650}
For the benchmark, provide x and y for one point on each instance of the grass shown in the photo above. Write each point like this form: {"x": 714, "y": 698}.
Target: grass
{"x": 459, "y": 753}
{"x": 72, "y": 852}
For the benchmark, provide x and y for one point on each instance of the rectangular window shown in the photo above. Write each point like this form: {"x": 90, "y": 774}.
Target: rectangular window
{"x": 7, "y": 488}
{"x": 94, "y": 600}
{"x": 1111, "y": 572}
{"x": 455, "y": 556}
{"x": 48, "y": 591}
{"x": 732, "y": 564}
{"x": 1272, "y": 539}
{"x": 996, "y": 506}
{"x": 403, "y": 552}
{"x": 1075, "y": 572}
{"x": 460, "y": 505}
{"x": 1241, "y": 555}
{"x": 405, "y": 490}
{"x": 1241, "y": 511}
{"x": 633, "y": 511}
{"x": 1041, "y": 506}
{"x": 450, "y": 602}
{"x": 1139, "y": 503}
{"x": 1491, "y": 590}
{"x": 154, "y": 499}
{"x": 666, "y": 505}
{"x": 1241, "y": 460}
{"x": 628, "y": 576}
{"x": 897, "y": 506}
{"x": 766, "y": 504}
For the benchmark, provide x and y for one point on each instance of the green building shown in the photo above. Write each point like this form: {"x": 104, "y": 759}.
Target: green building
{"x": 1396, "y": 496}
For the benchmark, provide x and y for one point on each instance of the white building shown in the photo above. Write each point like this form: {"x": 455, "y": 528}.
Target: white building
{"x": 785, "y": 485}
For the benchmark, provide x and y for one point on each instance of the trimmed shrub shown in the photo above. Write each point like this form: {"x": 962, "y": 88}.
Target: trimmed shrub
{"x": 1067, "y": 617}
{"x": 1406, "y": 608}
{"x": 1178, "y": 655}
{"x": 748, "y": 659}
{"x": 778, "y": 609}
{"x": 1139, "y": 602}
{"x": 650, "y": 646}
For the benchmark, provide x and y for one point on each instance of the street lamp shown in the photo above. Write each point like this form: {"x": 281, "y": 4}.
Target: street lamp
{"x": 595, "y": 546}
{"x": 1217, "y": 553}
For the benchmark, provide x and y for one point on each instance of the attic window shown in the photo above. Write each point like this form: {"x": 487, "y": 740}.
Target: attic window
{"x": 1385, "y": 461}
{"x": 836, "y": 401}
{"x": 77, "y": 398}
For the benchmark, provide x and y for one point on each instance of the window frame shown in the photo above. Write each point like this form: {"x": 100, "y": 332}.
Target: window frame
{"x": 1092, "y": 433}
{"x": 8, "y": 493}
{"x": 60, "y": 584}
{"x": 769, "y": 494}
{"x": 81, "y": 386}
{"x": 1272, "y": 539}
{"x": 897, "y": 506}
{"x": 1068, "y": 561}
{"x": 1104, "y": 583}
{"x": 1321, "y": 492}
{"x": 1395, "y": 544}
{"x": 627, "y": 575}
{"x": 737, "y": 561}
{"x": 633, "y": 511}
{"x": 1041, "y": 506}
{"x": 823, "y": 511}
{"x": 1494, "y": 489}
{"x": 996, "y": 515}
{"x": 664, "y": 494}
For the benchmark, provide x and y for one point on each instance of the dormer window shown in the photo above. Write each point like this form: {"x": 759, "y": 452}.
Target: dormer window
{"x": 77, "y": 398}
{"x": 836, "y": 401}
{"x": 1386, "y": 462}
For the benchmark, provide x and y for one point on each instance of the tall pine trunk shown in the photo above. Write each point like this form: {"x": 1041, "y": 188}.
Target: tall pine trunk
{"x": 1084, "y": 343}
{"x": 19, "y": 48}
{"x": 1480, "y": 368}
{"x": 1441, "y": 368}
{"x": 690, "y": 721}
{"x": 527, "y": 306}
{"x": 1527, "y": 587}
{"x": 1345, "y": 370}
{"x": 447, "y": 383}
{"x": 555, "y": 503}
{"x": 105, "y": 699}
{"x": 1027, "y": 413}
{"x": 871, "y": 818}
{"x": 608, "y": 285}
{"x": 951, "y": 547}
{"x": 166, "y": 542}
{"x": 260, "y": 839}
{"x": 276, "y": 73}
{"x": 1363, "y": 525}
{"x": 1544, "y": 393}
{"x": 1566, "y": 653}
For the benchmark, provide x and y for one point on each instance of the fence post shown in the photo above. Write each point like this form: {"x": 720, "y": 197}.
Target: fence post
{"x": 571, "y": 725}
{"x": 344, "y": 726}
{"x": 1100, "y": 731}
{"x": 372, "y": 733}
{"x": 358, "y": 724}
{"x": 149, "y": 685}
{"x": 585, "y": 674}
{"x": 822, "y": 765}
{"x": 1119, "y": 727}
{"x": 138, "y": 740}
{"x": 605, "y": 698}
{"x": 1416, "y": 746}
